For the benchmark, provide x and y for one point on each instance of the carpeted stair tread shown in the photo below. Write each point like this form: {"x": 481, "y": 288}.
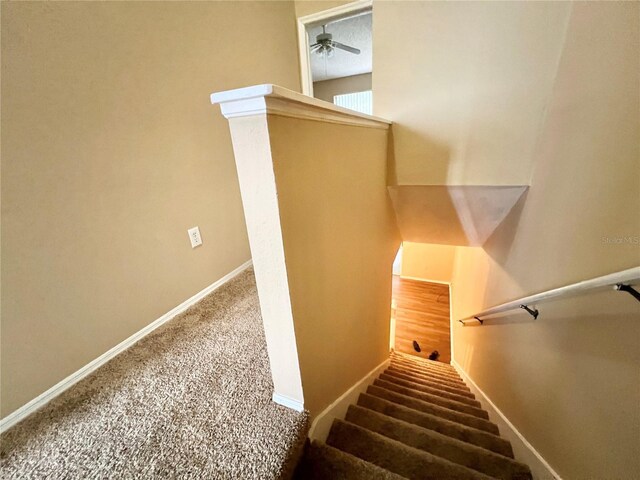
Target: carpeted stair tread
{"x": 449, "y": 379}
{"x": 322, "y": 462}
{"x": 395, "y": 456}
{"x": 438, "y": 387}
{"x": 417, "y": 420}
{"x": 421, "y": 368}
{"x": 427, "y": 407}
{"x": 466, "y": 454}
{"x": 429, "y": 366}
{"x": 441, "y": 425}
{"x": 422, "y": 361}
{"x": 429, "y": 373}
{"x": 428, "y": 378}
{"x": 430, "y": 383}
{"x": 431, "y": 398}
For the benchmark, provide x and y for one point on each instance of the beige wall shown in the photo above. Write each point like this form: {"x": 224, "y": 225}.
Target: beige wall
{"x": 428, "y": 261}
{"x": 569, "y": 381}
{"x": 110, "y": 151}
{"x": 326, "y": 89}
{"x": 340, "y": 241}
{"x": 307, "y": 7}
{"x": 466, "y": 84}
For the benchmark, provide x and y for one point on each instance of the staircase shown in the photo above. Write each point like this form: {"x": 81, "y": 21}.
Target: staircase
{"x": 418, "y": 420}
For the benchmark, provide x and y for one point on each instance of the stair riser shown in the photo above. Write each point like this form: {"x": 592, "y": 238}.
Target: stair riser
{"x": 437, "y": 424}
{"x": 429, "y": 383}
{"x": 433, "y": 399}
{"x": 456, "y": 451}
{"x": 432, "y": 391}
{"x": 430, "y": 378}
{"x": 425, "y": 373}
{"x": 435, "y": 371}
{"x": 322, "y": 462}
{"x": 427, "y": 368}
{"x": 445, "y": 367}
{"x": 432, "y": 409}
{"x": 395, "y": 456}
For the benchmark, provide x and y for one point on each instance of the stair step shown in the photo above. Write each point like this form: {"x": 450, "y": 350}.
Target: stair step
{"x": 431, "y": 367}
{"x": 395, "y": 456}
{"x": 456, "y": 451}
{"x": 428, "y": 407}
{"x": 446, "y": 367}
{"x": 430, "y": 383}
{"x": 441, "y": 425}
{"x": 431, "y": 398}
{"x": 460, "y": 395}
{"x": 427, "y": 368}
{"x": 431, "y": 390}
{"x": 426, "y": 373}
{"x": 430, "y": 378}
{"x": 322, "y": 462}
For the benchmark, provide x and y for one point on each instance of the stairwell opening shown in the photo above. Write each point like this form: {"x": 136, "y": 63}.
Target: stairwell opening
{"x": 420, "y": 323}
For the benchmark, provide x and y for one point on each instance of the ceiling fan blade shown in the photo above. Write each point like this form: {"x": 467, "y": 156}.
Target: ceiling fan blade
{"x": 314, "y": 45}
{"x": 346, "y": 48}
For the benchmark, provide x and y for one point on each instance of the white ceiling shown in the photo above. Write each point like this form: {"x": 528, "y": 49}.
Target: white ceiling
{"x": 355, "y": 32}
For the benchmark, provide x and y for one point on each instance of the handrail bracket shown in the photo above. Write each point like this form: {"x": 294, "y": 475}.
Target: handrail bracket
{"x": 531, "y": 311}
{"x": 621, "y": 287}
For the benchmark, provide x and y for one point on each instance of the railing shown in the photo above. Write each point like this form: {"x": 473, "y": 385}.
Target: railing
{"x": 619, "y": 281}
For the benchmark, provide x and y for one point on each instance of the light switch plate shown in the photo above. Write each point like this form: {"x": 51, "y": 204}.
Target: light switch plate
{"x": 194, "y": 237}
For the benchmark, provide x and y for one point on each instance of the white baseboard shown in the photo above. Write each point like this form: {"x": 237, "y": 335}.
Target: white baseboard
{"x": 288, "y": 402}
{"x": 338, "y": 409}
{"x": 522, "y": 449}
{"x": 405, "y": 277}
{"x": 30, "y": 407}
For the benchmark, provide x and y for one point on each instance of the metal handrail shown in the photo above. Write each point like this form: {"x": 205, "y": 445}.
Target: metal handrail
{"x": 620, "y": 281}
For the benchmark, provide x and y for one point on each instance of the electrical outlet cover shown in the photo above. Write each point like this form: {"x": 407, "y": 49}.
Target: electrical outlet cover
{"x": 194, "y": 237}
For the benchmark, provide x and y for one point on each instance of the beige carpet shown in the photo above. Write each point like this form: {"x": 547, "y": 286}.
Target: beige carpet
{"x": 191, "y": 400}
{"x": 417, "y": 421}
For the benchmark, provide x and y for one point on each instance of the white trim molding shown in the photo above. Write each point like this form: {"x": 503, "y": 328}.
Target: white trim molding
{"x": 42, "y": 399}
{"x": 287, "y": 402}
{"x": 338, "y": 409}
{"x": 418, "y": 279}
{"x": 523, "y": 450}
{"x": 317, "y": 18}
{"x": 274, "y": 100}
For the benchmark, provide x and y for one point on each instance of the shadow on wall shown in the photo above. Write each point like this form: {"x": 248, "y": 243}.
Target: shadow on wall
{"x": 498, "y": 245}
{"x": 427, "y": 158}
{"x": 506, "y": 318}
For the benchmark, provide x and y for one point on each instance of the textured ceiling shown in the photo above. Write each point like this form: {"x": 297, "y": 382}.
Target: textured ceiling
{"x": 355, "y": 32}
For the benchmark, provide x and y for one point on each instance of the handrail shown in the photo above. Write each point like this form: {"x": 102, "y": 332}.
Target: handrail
{"x": 620, "y": 281}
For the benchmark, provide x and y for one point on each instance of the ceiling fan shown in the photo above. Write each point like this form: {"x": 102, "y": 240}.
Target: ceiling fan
{"x": 325, "y": 45}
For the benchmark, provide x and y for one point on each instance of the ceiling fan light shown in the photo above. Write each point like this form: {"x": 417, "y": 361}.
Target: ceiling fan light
{"x": 325, "y": 51}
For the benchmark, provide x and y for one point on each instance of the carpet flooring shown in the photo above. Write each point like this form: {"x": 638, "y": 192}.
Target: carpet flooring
{"x": 417, "y": 421}
{"x": 191, "y": 400}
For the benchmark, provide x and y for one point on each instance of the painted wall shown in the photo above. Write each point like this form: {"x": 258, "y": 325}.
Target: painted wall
{"x": 340, "y": 240}
{"x": 466, "y": 85}
{"x": 569, "y": 381}
{"x": 110, "y": 151}
{"x": 326, "y": 89}
{"x": 428, "y": 261}
{"x": 307, "y": 7}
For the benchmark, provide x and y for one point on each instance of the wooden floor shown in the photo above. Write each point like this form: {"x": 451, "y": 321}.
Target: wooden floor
{"x": 421, "y": 313}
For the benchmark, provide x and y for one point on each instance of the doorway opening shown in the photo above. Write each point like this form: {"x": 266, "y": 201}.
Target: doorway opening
{"x": 421, "y": 301}
{"x": 336, "y": 56}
